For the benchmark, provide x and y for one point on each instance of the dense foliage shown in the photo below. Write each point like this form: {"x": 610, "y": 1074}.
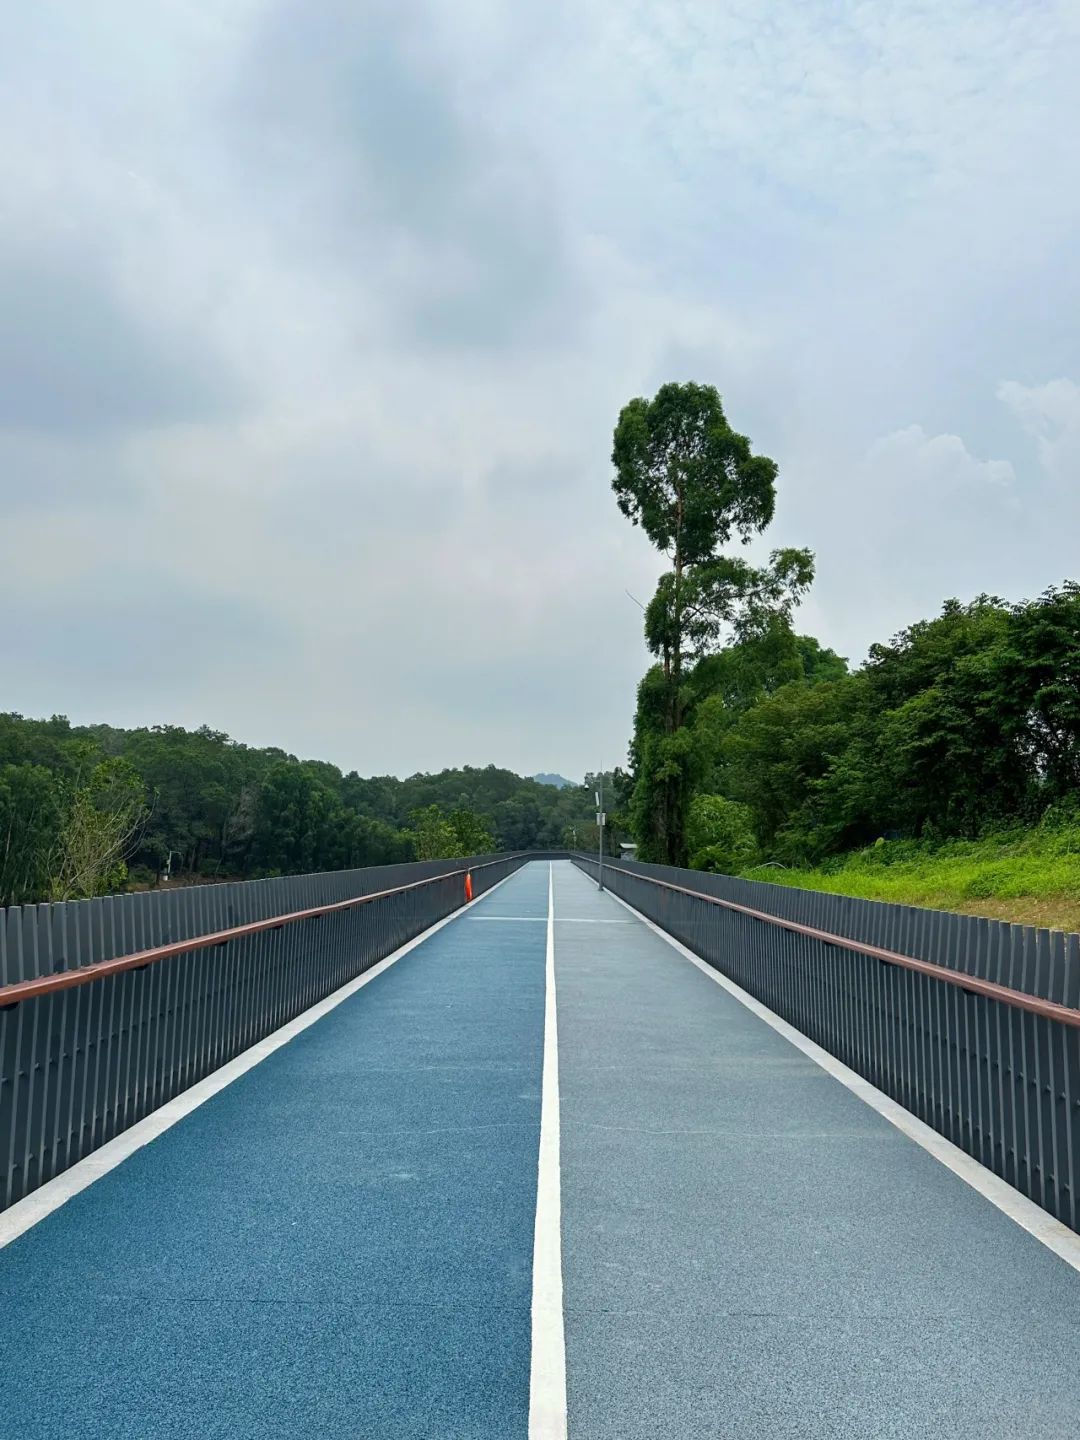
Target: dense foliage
{"x": 961, "y": 726}
{"x": 81, "y": 805}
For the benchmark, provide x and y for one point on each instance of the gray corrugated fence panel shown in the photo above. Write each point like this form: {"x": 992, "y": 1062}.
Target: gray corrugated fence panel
{"x": 1020, "y": 956}
{"x": 1001, "y": 1083}
{"x": 79, "y": 1065}
{"x": 40, "y": 939}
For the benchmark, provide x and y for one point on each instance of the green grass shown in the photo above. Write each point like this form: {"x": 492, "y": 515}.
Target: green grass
{"x": 1028, "y": 876}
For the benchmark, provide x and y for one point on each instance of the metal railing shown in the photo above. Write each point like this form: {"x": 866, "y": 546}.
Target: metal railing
{"x": 992, "y": 1066}
{"x": 1023, "y": 957}
{"x": 88, "y": 1049}
{"x": 41, "y": 939}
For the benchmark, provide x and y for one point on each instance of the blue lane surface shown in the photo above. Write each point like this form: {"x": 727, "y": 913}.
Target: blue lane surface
{"x": 338, "y": 1244}
{"x": 752, "y": 1253}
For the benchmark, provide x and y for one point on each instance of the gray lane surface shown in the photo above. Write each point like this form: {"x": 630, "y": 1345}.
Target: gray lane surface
{"x": 751, "y": 1251}
{"x": 339, "y": 1244}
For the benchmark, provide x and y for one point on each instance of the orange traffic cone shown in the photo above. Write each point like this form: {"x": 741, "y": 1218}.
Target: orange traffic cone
{"x": 468, "y": 886}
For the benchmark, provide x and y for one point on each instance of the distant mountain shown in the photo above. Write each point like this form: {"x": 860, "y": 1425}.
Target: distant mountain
{"x": 559, "y": 781}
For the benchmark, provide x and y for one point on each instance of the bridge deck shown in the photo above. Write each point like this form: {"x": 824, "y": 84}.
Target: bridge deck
{"x": 340, "y": 1242}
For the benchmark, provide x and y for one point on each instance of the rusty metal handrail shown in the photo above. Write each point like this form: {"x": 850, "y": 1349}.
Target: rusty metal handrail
{"x": 1048, "y": 1009}
{"x": 20, "y": 990}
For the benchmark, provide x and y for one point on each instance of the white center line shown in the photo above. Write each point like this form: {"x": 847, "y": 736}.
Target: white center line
{"x": 540, "y": 920}
{"x": 547, "y": 1378}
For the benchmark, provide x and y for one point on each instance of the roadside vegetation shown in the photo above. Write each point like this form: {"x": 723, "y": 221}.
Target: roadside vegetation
{"x": 1031, "y": 877}
{"x": 91, "y": 810}
{"x": 943, "y": 771}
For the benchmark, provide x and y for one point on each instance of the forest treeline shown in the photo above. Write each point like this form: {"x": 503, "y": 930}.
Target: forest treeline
{"x": 85, "y": 810}
{"x": 752, "y": 743}
{"x": 960, "y": 726}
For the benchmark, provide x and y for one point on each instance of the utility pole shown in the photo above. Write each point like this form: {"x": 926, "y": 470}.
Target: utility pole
{"x": 600, "y": 821}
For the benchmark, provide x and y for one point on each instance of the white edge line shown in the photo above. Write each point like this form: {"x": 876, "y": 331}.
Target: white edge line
{"x": 547, "y": 1374}
{"x": 1065, "y": 1243}
{"x": 26, "y": 1213}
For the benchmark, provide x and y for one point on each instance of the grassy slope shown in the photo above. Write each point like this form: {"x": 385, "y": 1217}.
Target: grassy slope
{"x": 1031, "y": 877}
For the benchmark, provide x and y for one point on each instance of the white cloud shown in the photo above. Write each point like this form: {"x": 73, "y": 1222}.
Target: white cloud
{"x": 910, "y": 461}
{"x": 1051, "y": 414}
{"x": 417, "y": 259}
{"x": 926, "y": 519}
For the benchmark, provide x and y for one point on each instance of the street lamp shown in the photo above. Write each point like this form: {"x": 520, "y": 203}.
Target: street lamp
{"x": 601, "y": 819}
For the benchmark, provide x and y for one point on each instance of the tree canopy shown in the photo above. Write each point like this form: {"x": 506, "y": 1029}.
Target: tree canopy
{"x": 685, "y": 476}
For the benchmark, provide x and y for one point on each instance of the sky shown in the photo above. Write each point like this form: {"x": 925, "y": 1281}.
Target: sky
{"x": 316, "y": 317}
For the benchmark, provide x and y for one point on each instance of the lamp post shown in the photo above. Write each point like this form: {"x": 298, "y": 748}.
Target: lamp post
{"x": 600, "y": 821}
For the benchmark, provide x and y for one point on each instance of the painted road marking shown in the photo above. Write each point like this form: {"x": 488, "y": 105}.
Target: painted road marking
{"x": 547, "y": 1377}
{"x": 1064, "y": 1242}
{"x": 542, "y": 920}
{"x": 24, "y": 1214}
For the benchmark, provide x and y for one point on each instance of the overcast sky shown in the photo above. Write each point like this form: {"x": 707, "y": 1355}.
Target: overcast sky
{"x": 316, "y": 316}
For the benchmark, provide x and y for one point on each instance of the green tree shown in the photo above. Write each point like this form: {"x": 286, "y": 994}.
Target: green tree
{"x": 100, "y": 829}
{"x": 1036, "y": 688}
{"x": 720, "y": 835}
{"x": 473, "y": 836}
{"x": 662, "y": 762}
{"x": 944, "y": 732}
{"x": 438, "y": 836}
{"x": 778, "y": 749}
{"x": 948, "y": 743}
{"x": 693, "y": 483}
{"x": 727, "y": 595}
{"x": 299, "y": 823}
{"x": 30, "y": 822}
{"x": 433, "y": 836}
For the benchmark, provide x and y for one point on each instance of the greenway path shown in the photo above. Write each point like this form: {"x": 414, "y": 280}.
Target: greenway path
{"x": 541, "y": 1162}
